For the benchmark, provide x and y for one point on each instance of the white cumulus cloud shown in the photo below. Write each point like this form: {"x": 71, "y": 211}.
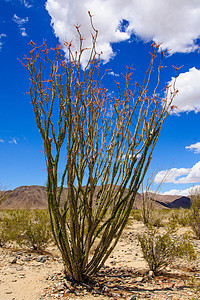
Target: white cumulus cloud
{"x": 182, "y": 175}
{"x": 130, "y": 156}
{"x": 188, "y": 97}
{"x": 26, "y": 3}
{"x": 1, "y": 141}
{"x": 20, "y": 22}
{"x": 194, "y": 147}
{"x": 113, "y": 74}
{"x": 175, "y": 192}
{"x": 193, "y": 175}
{"x": 23, "y": 2}
{"x": 13, "y": 141}
{"x": 176, "y": 24}
{"x": 2, "y": 35}
{"x": 23, "y": 31}
{"x": 185, "y": 192}
{"x": 170, "y": 176}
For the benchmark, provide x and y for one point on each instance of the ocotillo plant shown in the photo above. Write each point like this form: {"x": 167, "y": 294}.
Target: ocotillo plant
{"x": 102, "y": 145}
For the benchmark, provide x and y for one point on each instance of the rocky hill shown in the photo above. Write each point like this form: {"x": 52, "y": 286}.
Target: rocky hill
{"x": 34, "y": 197}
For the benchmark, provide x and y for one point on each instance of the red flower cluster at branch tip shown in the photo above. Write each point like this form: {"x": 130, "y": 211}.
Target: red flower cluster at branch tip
{"x": 174, "y": 107}
{"x": 32, "y": 43}
{"x": 177, "y": 68}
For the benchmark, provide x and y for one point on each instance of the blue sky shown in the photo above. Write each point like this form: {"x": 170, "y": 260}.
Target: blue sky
{"x": 126, "y": 31}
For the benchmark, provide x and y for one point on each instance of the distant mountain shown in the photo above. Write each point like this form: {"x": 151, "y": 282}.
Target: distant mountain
{"x": 25, "y": 197}
{"x": 170, "y": 201}
{"x": 34, "y": 197}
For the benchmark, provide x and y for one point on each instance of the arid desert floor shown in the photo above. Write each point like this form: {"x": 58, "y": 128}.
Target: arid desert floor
{"x": 26, "y": 275}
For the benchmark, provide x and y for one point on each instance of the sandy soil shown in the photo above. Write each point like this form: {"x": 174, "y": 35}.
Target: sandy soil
{"x": 27, "y": 275}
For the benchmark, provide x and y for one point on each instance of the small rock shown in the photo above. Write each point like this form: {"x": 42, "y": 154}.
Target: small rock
{"x": 132, "y": 297}
{"x": 26, "y": 259}
{"x": 105, "y": 289}
{"x": 116, "y": 295}
{"x": 150, "y": 274}
{"x": 41, "y": 259}
{"x": 138, "y": 279}
{"x": 14, "y": 260}
{"x": 60, "y": 288}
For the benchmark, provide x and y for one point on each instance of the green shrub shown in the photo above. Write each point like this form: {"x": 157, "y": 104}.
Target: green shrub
{"x": 147, "y": 210}
{"x": 181, "y": 216}
{"x": 10, "y": 227}
{"x": 150, "y": 216}
{"x": 30, "y": 228}
{"x": 37, "y": 231}
{"x": 195, "y": 214}
{"x": 4, "y": 233}
{"x": 135, "y": 215}
{"x": 159, "y": 250}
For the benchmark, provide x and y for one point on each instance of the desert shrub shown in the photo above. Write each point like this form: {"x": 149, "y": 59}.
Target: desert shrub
{"x": 159, "y": 250}
{"x": 150, "y": 216}
{"x": 155, "y": 218}
{"x": 5, "y": 233}
{"x": 135, "y": 215}
{"x": 195, "y": 213}
{"x": 181, "y": 216}
{"x": 37, "y": 232}
{"x": 4, "y": 193}
{"x": 30, "y": 228}
{"x": 2, "y": 237}
{"x": 10, "y": 226}
{"x": 147, "y": 211}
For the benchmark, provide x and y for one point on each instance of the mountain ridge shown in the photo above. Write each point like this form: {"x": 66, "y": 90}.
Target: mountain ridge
{"x": 34, "y": 197}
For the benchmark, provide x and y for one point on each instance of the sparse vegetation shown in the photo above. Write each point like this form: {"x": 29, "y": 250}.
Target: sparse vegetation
{"x": 4, "y": 195}
{"x": 159, "y": 250}
{"x": 149, "y": 215}
{"x": 10, "y": 227}
{"x": 134, "y": 215}
{"x": 181, "y": 216}
{"x": 29, "y": 228}
{"x": 195, "y": 212}
{"x": 37, "y": 231}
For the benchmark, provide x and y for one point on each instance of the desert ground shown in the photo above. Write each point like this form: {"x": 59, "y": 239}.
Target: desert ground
{"x": 28, "y": 275}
